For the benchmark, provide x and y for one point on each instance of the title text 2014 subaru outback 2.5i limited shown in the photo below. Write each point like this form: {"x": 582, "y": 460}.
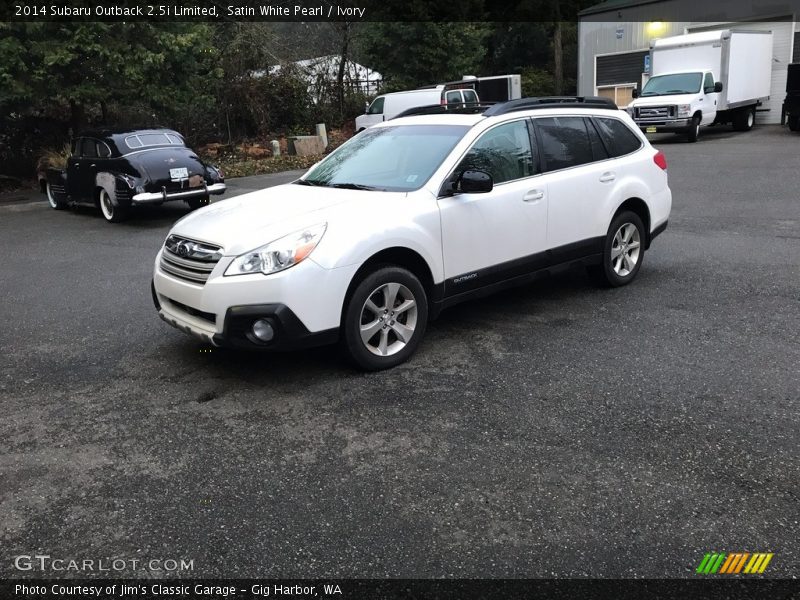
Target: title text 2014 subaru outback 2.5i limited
{"x": 411, "y": 216}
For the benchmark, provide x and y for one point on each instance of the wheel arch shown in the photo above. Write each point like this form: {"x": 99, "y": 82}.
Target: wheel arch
{"x": 640, "y": 208}
{"x": 400, "y": 256}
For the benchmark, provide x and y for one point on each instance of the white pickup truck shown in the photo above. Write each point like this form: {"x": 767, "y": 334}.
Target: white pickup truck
{"x": 702, "y": 79}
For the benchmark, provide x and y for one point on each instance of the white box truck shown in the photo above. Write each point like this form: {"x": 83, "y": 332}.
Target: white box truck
{"x": 704, "y": 78}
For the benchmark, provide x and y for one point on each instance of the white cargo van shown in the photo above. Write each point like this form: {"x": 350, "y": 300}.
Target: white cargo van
{"x": 703, "y": 78}
{"x": 388, "y": 106}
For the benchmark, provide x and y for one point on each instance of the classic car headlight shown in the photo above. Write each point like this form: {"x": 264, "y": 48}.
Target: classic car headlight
{"x": 684, "y": 110}
{"x": 280, "y": 254}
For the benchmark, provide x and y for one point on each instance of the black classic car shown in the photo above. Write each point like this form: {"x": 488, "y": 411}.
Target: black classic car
{"x": 116, "y": 170}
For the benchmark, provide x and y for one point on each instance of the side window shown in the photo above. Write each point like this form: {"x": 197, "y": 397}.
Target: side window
{"x": 618, "y": 137}
{"x": 599, "y": 151}
{"x": 453, "y": 97}
{"x": 708, "y": 84}
{"x": 470, "y": 96}
{"x": 376, "y": 108}
{"x": 565, "y": 142}
{"x": 88, "y": 148}
{"x": 504, "y": 152}
{"x": 103, "y": 151}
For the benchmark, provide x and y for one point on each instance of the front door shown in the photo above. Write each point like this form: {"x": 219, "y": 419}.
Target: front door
{"x": 489, "y": 237}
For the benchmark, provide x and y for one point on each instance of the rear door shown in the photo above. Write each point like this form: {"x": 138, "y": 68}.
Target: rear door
{"x": 500, "y": 234}
{"x": 580, "y": 177}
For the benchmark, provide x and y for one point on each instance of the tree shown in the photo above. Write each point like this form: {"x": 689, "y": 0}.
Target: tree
{"x": 412, "y": 54}
{"x": 100, "y": 64}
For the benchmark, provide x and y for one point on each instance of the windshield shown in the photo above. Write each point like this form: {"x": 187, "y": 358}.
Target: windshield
{"x": 397, "y": 159}
{"x": 678, "y": 83}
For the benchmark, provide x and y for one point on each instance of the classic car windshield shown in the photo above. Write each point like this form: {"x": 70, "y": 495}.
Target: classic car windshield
{"x": 143, "y": 140}
{"x": 400, "y": 158}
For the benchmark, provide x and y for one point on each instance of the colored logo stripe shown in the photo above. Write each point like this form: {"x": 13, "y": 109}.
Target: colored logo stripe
{"x": 734, "y": 562}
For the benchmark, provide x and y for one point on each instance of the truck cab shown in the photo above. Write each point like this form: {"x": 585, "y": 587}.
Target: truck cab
{"x": 679, "y": 102}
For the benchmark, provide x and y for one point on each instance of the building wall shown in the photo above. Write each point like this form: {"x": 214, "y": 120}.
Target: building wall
{"x": 600, "y": 38}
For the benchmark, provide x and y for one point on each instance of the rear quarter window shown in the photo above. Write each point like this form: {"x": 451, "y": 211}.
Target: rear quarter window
{"x": 617, "y": 137}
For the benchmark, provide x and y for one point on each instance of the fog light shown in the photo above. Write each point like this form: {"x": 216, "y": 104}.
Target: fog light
{"x": 263, "y": 330}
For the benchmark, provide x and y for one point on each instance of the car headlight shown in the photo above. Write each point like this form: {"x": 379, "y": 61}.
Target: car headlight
{"x": 629, "y": 110}
{"x": 279, "y": 254}
{"x": 684, "y": 110}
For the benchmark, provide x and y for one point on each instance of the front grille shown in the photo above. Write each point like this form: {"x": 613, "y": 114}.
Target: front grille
{"x": 210, "y": 317}
{"x": 189, "y": 260}
{"x": 655, "y": 113}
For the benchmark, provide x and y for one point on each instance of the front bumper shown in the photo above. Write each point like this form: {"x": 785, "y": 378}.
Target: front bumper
{"x": 165, "y": 196}
{"x": 303, "y": 304}
{"x": 664, "y": 125}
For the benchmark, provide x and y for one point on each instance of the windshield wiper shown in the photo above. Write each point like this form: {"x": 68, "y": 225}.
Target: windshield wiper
{"x": 352, "y": 186}
{"x": 308, "y": 182}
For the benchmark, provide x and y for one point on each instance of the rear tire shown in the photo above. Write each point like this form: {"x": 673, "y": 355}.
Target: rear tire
{"x": 385, "y": 319}
{"x": 794, "y": 122}
{"x": 694, "y": 130}
{"x": 54, "y": 202}
{"x": 744, "y": 120}
{"x": 113, "y": 212}
{"x": 623, "y": 251}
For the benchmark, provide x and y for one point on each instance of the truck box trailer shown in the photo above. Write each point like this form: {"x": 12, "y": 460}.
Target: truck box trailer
{"x": 704, "y": 78}
{"x": 791, "y": 104}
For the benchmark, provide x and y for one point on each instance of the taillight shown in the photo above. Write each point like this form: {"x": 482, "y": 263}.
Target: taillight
{"x": 660, "y": 160}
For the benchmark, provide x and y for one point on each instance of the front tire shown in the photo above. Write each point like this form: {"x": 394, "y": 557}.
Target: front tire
{"x": 623, "y": 251}
{"x": 113, "y": 212}
{"x": 385, "y": 319}
{"x": 54, "y": 202}
{"x": 694, "y": 130}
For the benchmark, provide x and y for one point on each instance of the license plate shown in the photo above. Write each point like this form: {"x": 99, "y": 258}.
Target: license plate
{"x": 176, "y": 174}
{"x": 651, "y": 130}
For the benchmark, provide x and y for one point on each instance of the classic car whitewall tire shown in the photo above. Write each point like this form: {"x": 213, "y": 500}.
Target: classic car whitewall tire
{"x": 54, "y": 202}
{"x": 112, "y": 212}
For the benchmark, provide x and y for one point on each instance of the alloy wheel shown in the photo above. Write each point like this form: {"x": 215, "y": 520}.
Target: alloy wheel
{"x": 625, "y": 249}
{"x": 388, "y": 319}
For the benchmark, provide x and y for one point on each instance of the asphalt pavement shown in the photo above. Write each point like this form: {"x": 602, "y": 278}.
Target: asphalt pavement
{"x": 552, "y": 430}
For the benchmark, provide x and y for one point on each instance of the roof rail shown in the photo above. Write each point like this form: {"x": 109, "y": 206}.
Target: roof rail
{"x": 469, "y": 108}
{"x": 550, "y": 102}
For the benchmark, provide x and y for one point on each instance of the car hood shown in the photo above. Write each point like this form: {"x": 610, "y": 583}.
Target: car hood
{"x": 665, "y": 100}
{"x": 246, "y": 222}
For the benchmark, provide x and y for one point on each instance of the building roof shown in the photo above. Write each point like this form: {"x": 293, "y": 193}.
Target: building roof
{"x": 612, "y": 5}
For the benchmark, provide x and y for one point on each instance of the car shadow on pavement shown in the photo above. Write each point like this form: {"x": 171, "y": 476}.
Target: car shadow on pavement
{"x": 142, "y": 217}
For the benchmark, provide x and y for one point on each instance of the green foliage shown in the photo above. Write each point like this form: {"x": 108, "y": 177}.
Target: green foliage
{"x": 83, "y": 64}
{"x": 409, "y": 55}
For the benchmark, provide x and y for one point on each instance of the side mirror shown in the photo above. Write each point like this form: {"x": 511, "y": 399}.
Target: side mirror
{"x": 635, "y": 93}
{"x": 475, "y": 182}
{"x": 718, "y": 87}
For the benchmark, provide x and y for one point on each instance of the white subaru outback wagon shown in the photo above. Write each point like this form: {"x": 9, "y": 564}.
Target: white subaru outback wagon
{"x": 414, "y": 215}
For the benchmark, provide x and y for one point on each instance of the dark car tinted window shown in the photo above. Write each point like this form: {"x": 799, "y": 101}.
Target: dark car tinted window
{"x": 88, "y": 148}
{"x": 619, "y": 139}
{"x": 565, "y": 142}
{"x": 599, "y": 151}
{"x": 504, "y": 152}
{"x": 103, "y": 151}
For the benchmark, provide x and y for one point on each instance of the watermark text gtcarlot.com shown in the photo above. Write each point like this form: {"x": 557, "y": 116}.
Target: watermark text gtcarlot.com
{"x": 46, "y": 563}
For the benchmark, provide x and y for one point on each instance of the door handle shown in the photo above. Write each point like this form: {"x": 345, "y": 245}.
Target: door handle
{"x": 533, "y": 196}
{"x": 607, "y": 176}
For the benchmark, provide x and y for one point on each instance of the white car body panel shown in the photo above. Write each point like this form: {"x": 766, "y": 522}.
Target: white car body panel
{"x": 455, "y": 235}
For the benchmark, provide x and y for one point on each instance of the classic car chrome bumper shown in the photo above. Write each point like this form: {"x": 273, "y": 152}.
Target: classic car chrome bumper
{"x": 164, "y": 196}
